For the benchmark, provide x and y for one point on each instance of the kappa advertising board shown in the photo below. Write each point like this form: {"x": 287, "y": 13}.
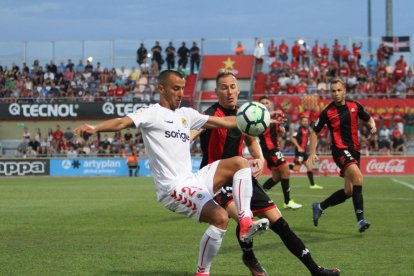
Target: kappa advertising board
{"x": 23, "y": 167}
{"x": 67, "y": 111}
{"x": 380, "y": 165}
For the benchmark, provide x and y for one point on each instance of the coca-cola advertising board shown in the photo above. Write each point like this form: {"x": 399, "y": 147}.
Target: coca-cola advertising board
{"x": 375, "y": 165}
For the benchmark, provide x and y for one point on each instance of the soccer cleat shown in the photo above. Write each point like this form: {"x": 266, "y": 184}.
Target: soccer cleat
{"x": 363, "y": 225}
{"x": 326, "y": 271}
{"x": 250, "y": 228}
{"x": 202, "y": 274}
{"x": 316, "y": 187}
{"x": 292, "y": 205}
{"x": 317, "y": 212}
{"x": 254, "y": 266}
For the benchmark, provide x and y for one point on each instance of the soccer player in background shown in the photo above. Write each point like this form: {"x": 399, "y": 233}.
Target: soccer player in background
{"x": 341, "y": 117}
{"x": 300, "y": 139}
{"x": 221, "y": 144}
{"x": 275, "y": 159}
{"x": 166, "y": 129}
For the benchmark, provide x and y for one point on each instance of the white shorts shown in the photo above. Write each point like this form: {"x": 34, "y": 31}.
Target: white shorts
{"x": 191, "y": 192}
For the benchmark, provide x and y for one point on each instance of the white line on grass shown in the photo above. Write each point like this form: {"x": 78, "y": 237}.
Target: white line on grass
{"x": 411, "y": 186}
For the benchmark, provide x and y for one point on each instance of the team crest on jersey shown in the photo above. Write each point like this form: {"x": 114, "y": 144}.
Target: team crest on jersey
{"x": 352, "y": 109}
{"x": 184, "y": 122}
{"x": 200, "y": 196}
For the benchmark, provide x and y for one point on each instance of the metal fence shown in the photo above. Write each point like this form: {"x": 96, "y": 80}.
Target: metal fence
{"x": 117, "y": 53}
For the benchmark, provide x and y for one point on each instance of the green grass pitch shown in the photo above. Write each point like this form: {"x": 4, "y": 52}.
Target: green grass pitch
{"x": 115, "y": 226}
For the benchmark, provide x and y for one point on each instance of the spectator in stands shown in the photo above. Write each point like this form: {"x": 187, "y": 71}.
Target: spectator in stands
{"x": 356, "y": 51}
{"x": 239, "y": 50}
{"x": 259, "y": 53}
{"x": 72, "y": 152}
{"x": 325, "y": 51}
{"x": 272, "y": 51}
{"x": 372, "y": 66}
{"x": 409, "y": 123}
{"x": 157, "y": 55}
{"x": 142, "y": 53}
{"x": 134, "y": 75}
{"x": 296, "y": 52}
{"x": 30, "y": 153}
{"x": 398, "y": 143}
{"x": 69, "y": 65}
{"x": 145, "y": 67}
{"x": 34, "y": 144}
{"x": 336, "y": 52}
{"x": 345, "y": 54}
{"x": 194, "y": 58}
{"x": 384, "y": 145}
{"x": 400, "y": 89}
{"x": 79, "y": 67}
{"x": 316, "y": 52}
{"x": 305, "y": 53}
{"x": 170, "y": 52}
{"x": 58, "y": 134}
{"x": 183, "y": 53}
{"x": 283, "y": 51}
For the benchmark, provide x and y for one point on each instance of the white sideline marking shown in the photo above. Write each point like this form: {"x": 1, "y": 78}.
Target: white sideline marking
{"x": 403, "y": 183}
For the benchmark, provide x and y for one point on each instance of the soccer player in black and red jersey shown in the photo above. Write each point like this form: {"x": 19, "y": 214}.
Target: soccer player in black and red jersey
{"x": 300, "y": 139}
{"x": 229, "y": 143}
{"x": 341, "y": 116}
{"x": 276, "y": 161}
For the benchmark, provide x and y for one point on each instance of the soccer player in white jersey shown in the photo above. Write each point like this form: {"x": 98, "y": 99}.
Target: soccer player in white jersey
{"x": 166, "y": 128}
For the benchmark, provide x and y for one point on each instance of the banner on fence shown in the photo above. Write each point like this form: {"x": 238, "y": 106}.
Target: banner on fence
{"x": 23, "y": 167}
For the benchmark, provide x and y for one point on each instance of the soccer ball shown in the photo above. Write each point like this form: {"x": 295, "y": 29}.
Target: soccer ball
{"x": 253, "y": 118}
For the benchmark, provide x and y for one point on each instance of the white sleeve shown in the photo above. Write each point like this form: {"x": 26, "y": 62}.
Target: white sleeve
{"x": 197, "y": 120}
{"x": 142, "y": 117}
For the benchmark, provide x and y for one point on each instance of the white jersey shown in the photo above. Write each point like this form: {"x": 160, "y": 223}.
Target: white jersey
{"x": 166, "y": 134}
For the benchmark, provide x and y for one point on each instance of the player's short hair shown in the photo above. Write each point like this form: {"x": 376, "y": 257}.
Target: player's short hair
{"x": 165, "y": 75}
{"x": 337, "y": 80}
{"x": 264, "y": 98}
{"x": 224, "y": 73}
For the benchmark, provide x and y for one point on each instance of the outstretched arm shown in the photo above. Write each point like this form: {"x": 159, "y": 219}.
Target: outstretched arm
{"x": 221, "y": 122}
{"x": 106, "y": 126}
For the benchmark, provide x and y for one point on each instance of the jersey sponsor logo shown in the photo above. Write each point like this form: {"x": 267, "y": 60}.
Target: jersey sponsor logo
{"x": 178, "y": 135}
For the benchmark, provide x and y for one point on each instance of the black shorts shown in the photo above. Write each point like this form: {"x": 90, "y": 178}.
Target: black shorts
{"x": 345, "y": 158}
{"x": 300, "y": 158}
{"x": 260, "y": 202}
{"x": 274, "y": 159}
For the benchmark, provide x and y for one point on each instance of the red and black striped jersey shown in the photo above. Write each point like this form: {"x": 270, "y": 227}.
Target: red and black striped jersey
{"x": 269, "y": 140}
{"x": 342, "y": 122}
{"x": 302, "y": 136}
{"x": 219, "y": 144}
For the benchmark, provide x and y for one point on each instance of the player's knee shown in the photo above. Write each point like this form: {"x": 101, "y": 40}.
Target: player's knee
{"x": 240, "y": 162}
{"x": 221, "y": 219}
{"x": 348, "y": 192}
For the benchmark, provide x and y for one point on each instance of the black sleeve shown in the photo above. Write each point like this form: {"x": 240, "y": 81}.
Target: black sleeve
{"x": 320, "y": 123}
{"x": 362, "y": 113}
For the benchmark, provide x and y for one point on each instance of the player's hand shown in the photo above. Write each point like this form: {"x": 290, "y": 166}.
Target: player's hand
{"x": 256, "y": 165}
{"x": 373, "y": 130}
{"x": 278, "y": 117}
{"x": 312, "y": 158}
{"x": 300, "y": 149}
{"x": 85, "y": 128}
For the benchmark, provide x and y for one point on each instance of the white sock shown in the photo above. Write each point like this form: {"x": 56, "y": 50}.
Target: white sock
{"x": 209, "y": 246}
{"x": 242, "y": 191}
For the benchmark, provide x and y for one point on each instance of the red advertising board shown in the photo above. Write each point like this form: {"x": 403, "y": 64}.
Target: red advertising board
{"x": 241, "y": 65}
{"x": 370, "y": 165}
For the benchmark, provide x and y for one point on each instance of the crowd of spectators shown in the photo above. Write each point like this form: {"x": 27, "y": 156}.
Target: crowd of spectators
{"x": 302, "y": 69}
{"x": 70, "y": 82}
{"x": 63, "y": 143}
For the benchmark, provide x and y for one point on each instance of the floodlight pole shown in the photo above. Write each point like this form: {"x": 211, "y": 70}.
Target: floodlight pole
{"x": 388, "y": 20}
{"x": 369, "y": 28}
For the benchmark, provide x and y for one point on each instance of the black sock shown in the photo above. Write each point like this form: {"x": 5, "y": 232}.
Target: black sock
{"x": 291, "y": 166}
{"x": 269, "y": 184}
{"x": 310, "y": 176}
{"x": 358, "y": 201}
{"x": 334, "y": 199}
{"x": 286, "y": 189}
{"x": 294, "y": 244}
{"x": 246, "y": 247}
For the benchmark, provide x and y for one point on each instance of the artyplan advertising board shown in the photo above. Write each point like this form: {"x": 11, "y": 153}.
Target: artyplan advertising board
{"x": 88, "y": 167}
